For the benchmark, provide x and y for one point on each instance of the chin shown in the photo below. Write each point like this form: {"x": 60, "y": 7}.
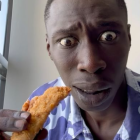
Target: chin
{"x": 99, "y": 108}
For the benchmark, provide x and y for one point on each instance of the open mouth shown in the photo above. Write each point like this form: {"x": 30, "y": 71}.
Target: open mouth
{"x": 93, "y": 97}
{"x": 91, "y": 92}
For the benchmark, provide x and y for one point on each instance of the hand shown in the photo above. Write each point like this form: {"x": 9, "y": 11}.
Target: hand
{"x": 41, "y": 135}
{"x": 12, "y": 121}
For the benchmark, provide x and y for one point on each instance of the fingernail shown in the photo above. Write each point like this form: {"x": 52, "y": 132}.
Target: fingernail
{"x": 19, "y": 123}
{"x": 24, "y": 115}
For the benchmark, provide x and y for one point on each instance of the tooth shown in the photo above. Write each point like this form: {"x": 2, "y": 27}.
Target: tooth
{"x": 85, "y": 90}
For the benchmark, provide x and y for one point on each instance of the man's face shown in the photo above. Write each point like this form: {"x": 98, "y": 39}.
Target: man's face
{"x": 89, "y": 42}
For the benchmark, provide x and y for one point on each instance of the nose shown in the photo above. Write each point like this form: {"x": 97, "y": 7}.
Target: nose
{"x": 90, "y": 60}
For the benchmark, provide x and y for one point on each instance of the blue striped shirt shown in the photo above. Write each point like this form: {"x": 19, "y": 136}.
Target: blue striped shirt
{"x": 66, "y": 123}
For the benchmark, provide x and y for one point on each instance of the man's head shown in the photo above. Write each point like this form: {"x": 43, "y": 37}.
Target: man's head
{"x": 89, "y": 42}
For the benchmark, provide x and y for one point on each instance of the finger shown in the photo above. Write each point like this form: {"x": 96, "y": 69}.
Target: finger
{"x": 12, "y": 125}
{"x": 13, "y": 113}
{"x": 41, "y": 135}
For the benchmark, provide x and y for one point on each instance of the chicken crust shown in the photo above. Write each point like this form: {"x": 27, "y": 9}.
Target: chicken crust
{"x": 40, "y": 107}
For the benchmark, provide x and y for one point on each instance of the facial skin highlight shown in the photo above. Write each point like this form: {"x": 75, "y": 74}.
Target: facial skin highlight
{"x": 89, "y": 44}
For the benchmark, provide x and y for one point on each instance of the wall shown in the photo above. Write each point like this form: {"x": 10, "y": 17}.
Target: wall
{"x": 29, "y": 64}
{"x": 134, "y": 20}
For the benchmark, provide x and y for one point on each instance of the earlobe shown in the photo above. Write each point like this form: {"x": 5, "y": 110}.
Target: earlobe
{"x": 129, "y": 34}
{"x": 48, "y": 49}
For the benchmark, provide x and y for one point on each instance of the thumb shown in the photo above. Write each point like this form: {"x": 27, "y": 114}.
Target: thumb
{"x": 42, "y": 134}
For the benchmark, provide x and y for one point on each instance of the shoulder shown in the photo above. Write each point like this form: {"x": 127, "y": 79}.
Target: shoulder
{"x": 133, "y": 79}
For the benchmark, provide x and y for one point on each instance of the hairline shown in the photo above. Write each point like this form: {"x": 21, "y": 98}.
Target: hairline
{"x": 121, "y": 5}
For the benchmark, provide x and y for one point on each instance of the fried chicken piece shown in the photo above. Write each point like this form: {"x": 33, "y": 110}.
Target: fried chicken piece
{"x": 40, "y": 107}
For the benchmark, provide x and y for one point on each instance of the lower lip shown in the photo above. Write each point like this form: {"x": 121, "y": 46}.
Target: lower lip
{"x": 93, "y": 99}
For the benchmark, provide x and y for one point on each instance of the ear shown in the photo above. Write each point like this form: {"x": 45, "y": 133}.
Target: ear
{"x": 129, "y": 34}
{"x": 48, "y": 47}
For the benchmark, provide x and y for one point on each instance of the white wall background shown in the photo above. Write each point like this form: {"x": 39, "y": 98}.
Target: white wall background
{"x": 134, "y": 20}
{"x": 29, "y": 64}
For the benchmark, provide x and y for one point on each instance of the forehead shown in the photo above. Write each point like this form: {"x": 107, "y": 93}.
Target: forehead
{"x": 66, "y": 12}
{"x": 72, "y": 7}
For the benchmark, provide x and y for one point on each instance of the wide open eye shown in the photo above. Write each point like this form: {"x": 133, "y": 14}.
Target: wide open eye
{"x": 108, "y": 36}
{"x": 68, "y": 42}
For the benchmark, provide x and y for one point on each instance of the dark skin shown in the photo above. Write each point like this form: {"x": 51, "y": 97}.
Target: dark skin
{"x": 89, "y": 44}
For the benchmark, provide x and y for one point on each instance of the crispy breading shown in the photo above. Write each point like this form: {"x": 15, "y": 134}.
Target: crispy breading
{"x": 40, "y": 107}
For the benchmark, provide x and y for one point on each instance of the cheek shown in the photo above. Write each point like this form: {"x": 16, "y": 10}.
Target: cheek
{"x": 64, "y": 62}
{"x": 117, "y": 54}
{"x": 116, "y": 59}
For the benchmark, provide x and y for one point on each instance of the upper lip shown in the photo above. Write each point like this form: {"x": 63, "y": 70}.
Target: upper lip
{"x": 92, "y": 87}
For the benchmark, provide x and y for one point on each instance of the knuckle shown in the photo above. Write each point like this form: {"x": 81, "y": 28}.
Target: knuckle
{"x": 9, "y": 122}
{"x": 21, "y": 114}
{"x": 17, "y": 114}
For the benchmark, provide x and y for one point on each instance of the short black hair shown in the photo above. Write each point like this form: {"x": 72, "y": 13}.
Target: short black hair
{"x": 121, "y": 4}
{"x": 48, "y": 5}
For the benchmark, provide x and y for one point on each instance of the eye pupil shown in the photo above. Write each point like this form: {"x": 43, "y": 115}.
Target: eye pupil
{"x": 109, "y": 37}
{"x": 68, "y": 42}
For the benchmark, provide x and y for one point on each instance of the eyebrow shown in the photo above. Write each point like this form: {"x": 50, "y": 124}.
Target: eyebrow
{"x": 109, "y": 24}
{"x": 70, "y": 29}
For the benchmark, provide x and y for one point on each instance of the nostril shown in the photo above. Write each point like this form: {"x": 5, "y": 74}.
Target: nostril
{"x": 92, "y": 70}
{"x": 82, "y": 70}
{"x": 98, "y": 71}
